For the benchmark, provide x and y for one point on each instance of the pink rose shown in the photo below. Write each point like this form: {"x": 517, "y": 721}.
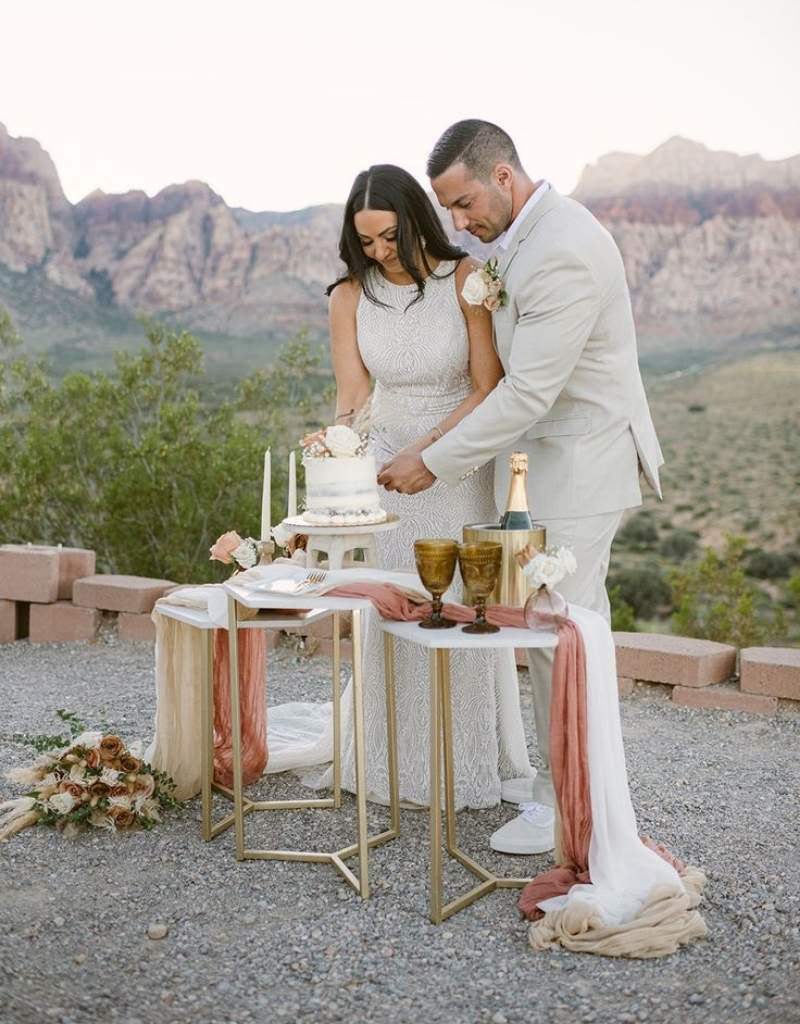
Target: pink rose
{"x": 224, "y": 546}
{"x": 492, "y": 303}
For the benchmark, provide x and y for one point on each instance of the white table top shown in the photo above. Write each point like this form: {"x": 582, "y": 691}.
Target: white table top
{"x": 200, "y": 619}
{"x": 455, "y": 637}
{"x": 259, "y": 599}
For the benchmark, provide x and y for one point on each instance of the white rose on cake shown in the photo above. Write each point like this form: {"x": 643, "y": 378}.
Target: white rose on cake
{"x": 341, "y": 441}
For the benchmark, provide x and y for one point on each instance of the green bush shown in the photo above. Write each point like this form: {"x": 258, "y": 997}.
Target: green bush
{"x": 623, "y": 617}
{"x": 135, "y": 464}
{"x": 678, "y": 544}
{"x": 793, "y": 590}
{"x": 639, "y": 533}
{"x": 714, "y": 600}
{"x": 643, "y": 588}
{"x": 769, "y": 565}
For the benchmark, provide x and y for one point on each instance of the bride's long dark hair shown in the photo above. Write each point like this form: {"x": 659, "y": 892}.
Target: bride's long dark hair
{"x": 419, "y": 231}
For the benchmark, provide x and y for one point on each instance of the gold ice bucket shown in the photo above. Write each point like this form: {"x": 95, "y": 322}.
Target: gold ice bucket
{"x": 512, "y": 586}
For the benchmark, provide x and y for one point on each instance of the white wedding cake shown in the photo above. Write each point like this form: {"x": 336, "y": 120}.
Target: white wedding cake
{"x": 341, "y": 480}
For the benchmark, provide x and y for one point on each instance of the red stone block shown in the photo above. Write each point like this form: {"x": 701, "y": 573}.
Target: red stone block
{"x": 8, "y": 621}
{"x": 112, "y": 593}
{"x": 724, "y": 698}
{"x": 625, "y": 686}
{"x": 62, "y": 622}
{"x": 771, "y": 670}
{"x": 29, "y": 572}
{"x": 132, "y": 626}
{"x": 73, "y": 563}
{"x": 678, "y": 660}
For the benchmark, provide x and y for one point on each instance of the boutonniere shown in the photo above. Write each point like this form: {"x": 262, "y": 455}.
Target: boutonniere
{"x": 484, "y": 287}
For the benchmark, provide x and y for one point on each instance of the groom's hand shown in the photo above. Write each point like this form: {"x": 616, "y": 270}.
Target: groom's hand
{"x": 406, "y": 473}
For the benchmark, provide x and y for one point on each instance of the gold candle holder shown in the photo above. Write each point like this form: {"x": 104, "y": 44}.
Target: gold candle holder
{"x": 512, "y": 587}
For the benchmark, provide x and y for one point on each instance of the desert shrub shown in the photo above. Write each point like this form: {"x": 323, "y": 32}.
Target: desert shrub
{"x": 768, "y": 565}
{"x": 639, "y": 533}
{"x": 643, "y": 588}
{"x": 135, "y": 464}
{"x": 678, "y": 544}
{"x": 714, "y": 600}
{"x": 623, "y": 617}
{"x": 793, "y": 590}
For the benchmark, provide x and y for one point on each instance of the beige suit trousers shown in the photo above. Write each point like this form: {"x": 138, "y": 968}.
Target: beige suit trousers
{"x": 589, "y": 538}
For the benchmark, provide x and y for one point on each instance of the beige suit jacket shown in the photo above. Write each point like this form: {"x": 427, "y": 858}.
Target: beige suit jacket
{"x": 572, "y": 396}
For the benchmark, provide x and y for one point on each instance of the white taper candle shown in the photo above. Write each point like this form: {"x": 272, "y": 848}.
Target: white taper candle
{"x": 292, "y": 503}
{"x": 266, "y": 497}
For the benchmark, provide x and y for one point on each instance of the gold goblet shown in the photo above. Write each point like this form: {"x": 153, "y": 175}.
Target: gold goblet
{"x": 480, "y": 566}
{"x": 436, "y": 565}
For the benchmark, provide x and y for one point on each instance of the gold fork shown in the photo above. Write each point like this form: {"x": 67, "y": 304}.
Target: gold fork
{"x": 314, "y": 579}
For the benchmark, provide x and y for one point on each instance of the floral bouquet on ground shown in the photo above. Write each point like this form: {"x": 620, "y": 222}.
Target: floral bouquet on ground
{"x": 92, "y": 781}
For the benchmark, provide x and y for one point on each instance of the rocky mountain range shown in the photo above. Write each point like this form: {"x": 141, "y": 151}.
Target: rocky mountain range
{"x": 711, "y": 243}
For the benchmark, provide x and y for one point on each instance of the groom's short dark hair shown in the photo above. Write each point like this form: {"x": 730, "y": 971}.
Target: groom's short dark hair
{"x": 479, "y": 145}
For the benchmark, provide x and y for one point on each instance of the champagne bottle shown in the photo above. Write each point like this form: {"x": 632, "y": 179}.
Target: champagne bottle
{"x": 516, "y": 515}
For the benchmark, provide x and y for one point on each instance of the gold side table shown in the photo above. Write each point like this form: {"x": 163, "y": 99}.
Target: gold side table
{"x": 200, "y": 620}
{"x": 439, "y": 643}
{"x": 242, "y": 806}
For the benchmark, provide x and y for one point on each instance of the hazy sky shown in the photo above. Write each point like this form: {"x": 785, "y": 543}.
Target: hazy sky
{"x": 279, "y": 105}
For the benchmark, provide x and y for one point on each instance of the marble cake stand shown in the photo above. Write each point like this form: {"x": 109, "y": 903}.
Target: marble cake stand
{"x": 340, "y": 543}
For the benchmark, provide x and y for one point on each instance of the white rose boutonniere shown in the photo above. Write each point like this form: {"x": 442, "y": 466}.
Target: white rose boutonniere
{"x": 484, "y": 287}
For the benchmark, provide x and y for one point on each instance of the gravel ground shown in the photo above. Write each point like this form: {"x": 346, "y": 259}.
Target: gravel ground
{"x": 290, "y": 942}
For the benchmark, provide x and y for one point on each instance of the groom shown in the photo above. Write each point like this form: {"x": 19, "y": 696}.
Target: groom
{"x": 572, "y": 395}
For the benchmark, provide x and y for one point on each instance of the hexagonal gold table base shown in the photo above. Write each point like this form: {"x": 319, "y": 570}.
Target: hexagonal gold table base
{"x": 242, "y": 806}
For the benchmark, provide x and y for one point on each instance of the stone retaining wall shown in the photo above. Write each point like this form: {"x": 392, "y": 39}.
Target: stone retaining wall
{"x": 50, "y": 594}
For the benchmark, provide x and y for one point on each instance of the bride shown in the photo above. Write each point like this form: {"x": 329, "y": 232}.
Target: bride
{"x": 397, "y": 319}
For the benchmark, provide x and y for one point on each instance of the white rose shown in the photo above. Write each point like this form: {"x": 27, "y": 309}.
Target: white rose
{"x": 88, "y": 739}
{"x": 341, "y": 441}
{"x": 110, "y": 776}
{"x": 282, "y": 535}
{"x": 568, "y": 560}
{"x": 545, "y": 571}
{"x": 476, "y": 289}
{"x": 121, "y": 801}
{"x": 77, "y": 773}
{"x": 245, "y": 555}
{"x": 61, "y": 803}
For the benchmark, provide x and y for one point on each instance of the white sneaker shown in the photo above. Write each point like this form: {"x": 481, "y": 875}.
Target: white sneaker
{"x": 532, "y": 831}
{"x": 518, "y": 791}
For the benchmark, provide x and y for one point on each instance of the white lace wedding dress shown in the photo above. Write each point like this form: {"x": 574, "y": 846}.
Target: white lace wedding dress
{"x": 418, "y": 357}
